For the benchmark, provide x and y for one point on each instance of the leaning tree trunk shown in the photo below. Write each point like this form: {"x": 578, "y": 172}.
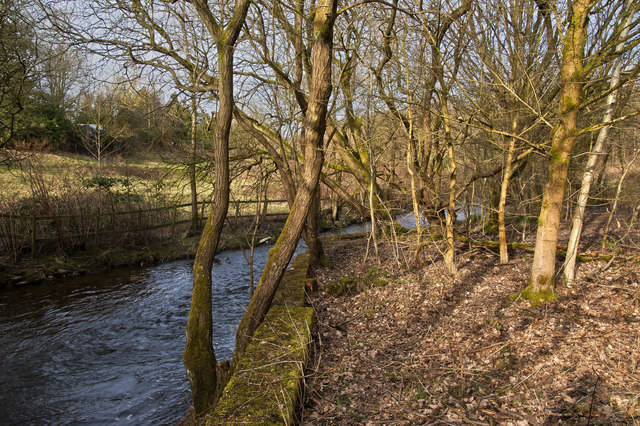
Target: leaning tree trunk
{"x": 315, "y": 121}
{"x": 541, "y": 283}
{"x": 199, "y": 357}
{"x": 569, "y": 272}
{"x": 310, "y": 232}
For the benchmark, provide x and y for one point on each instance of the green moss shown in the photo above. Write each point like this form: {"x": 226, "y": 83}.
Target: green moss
{"x": 521, "y": 245}
{"x": 301, "y": 263}
{"x": 399, "y": 229}
{"x": 420, "y": 392}
{"x": 568, "y": 103}
{"x": 268, "y": 381}
{"x": 556, "y": 155}
{"x": 581, "y": 258}
{"x": 346, "y": 286}
{"x": 291, "y": 290}
{"x": 324, "y": 262}
{"x": 545, "y": 294}
{"x": 490, "y": 226}
{"x": 380, "y": 282}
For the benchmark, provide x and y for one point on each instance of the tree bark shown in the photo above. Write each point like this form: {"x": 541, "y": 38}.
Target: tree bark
{"x": 316, "y": 253}
{"x": 502, "y": 232}
{"x": 192, "y": 166}
{"x": 263, "y": 135}
{"x": 449, "y": 254}
{"x": 315, "y": 121}
{"x": 541, "y": 283}
{"x": 199, "y": 357}
{"x": 597, "y": 151}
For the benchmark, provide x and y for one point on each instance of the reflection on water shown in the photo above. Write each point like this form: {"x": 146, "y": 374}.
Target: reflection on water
{"x": 108, "y": 348}
{"x": 408, "y": 219}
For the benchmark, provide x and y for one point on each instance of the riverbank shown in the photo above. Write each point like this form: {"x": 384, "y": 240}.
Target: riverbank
{"x": 403, "y": 342}
{"x": 48, "y": 268}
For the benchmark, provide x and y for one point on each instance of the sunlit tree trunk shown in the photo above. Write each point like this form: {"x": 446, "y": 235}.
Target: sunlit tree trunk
{"x": 595, "y": 154}
{"x": 449, "y": 254}
{"x": 502, "y": 231}
{"x": 312, "y": 229}
{"x": 315, "y": 121}
{"x": 541, "y": 283}
{"x": 268, "y": 139}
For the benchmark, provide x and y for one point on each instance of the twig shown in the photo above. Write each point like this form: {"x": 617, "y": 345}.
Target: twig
{"x": 592, "y": 397}
{"x": 527, "y": 378}
{"x": 608, "y": 265}
{"x": 465, "y": 418}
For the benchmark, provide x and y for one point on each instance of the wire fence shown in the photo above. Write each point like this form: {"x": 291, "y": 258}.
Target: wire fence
{"x": 35, "y": 235}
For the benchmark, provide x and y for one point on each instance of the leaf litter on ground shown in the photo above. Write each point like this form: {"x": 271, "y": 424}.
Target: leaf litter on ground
{"x": 427, "y": 348}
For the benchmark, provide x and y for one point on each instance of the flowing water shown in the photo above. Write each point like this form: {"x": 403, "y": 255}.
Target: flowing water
{"x": 107, "y": 348}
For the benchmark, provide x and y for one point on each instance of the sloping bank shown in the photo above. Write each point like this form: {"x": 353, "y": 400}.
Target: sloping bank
{"x": 267, "y": 385}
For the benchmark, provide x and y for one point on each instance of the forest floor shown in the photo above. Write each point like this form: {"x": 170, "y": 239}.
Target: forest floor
{"x": 417, "y": 346}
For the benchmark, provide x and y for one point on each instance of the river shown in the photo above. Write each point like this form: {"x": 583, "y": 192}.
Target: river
{"x": 107, "y": 348}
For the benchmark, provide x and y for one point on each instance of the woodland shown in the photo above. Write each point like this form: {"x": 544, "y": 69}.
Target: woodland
{"x": 506, "y": 132}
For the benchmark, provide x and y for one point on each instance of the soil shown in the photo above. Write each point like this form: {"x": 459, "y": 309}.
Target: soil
{"x": 423, "y": 347}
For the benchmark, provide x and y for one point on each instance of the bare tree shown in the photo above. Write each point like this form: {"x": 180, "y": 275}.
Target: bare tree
{"x": 596, "y": 153}
{"x": 315, "y": 120}
{"x": 576, "y": 70}
{"x": 199, "y": 357}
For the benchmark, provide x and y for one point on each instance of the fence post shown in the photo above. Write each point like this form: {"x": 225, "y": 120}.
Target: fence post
{"x": 173, "y": 220}
{"x": 34, "y": 239}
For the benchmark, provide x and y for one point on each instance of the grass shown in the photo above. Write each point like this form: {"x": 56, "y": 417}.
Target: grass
{"x": 55, "y": 168}
{"x": 73, "y": 188}
{"x": 163, "y": 172}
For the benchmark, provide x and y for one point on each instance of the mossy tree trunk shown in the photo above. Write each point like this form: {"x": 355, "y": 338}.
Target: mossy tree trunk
{"x": 192, "y": 165}
{"x": 199, "y": 357}
{"x": 597, "y": 151}
{"x": 316, "y": 253}
{"x": 269, "y": 139}
{"x": 315, "y": 121}
{"x": 541, "y": 283}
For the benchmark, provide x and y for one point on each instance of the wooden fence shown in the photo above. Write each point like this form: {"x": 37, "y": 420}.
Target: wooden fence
{"x": 20, "y": 234}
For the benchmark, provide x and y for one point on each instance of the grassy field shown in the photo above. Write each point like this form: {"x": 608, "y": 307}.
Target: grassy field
{"x": 160, "y": 175}
{"x": 164, "y": 176}
{"x": 62, "y": 202}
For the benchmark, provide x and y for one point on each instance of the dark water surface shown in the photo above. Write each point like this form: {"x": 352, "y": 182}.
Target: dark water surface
{"x": 107, "y": 348}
